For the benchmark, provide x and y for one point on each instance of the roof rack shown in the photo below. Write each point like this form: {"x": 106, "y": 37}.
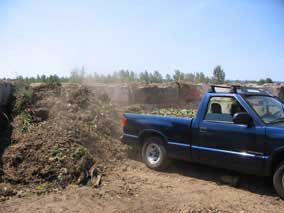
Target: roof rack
{"x": 233, "y": 89}
{"x": 240, "y": 89}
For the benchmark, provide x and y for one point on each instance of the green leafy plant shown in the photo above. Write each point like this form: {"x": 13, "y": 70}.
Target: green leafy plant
{"x": 174, "y": 112}
{"x": 79, "y": 152}
{"x": 167, "y": 112}
{"x": 26, "y": 120}
{"x": 58, "y": 154}
{"x": 42, "y": 187}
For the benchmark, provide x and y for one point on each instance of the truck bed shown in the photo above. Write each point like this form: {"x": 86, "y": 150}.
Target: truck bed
{"x": 175, "y": 131}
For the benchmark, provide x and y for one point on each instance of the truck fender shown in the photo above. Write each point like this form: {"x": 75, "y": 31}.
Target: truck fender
{"x": 151, "y": 132}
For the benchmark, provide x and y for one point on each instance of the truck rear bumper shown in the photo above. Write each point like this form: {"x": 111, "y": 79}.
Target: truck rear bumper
{"x": 129, "y": 139}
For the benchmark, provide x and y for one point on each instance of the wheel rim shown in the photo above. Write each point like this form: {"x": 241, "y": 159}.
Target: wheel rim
{"x": 153, "y": 153}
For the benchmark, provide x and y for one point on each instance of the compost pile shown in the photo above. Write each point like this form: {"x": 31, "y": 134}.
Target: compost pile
{"x": 62, "y": 134}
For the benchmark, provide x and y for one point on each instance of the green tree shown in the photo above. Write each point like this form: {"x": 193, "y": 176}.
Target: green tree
{"x": 75, "y": 76}
{"x": 20, "y": 78}
{"x": 268, "y": 80}
{"x": 156, "y": 77}
{"x": 218, "y": 75}
{"x": 53, "y": 79}
{"x": 132, "y": 76}
{"x": 200, "y": 77}
{"x": 178, "y": 76}
{"x": 144, "y": 77}
{"x": 261, "y": 82}
{"x": 190, "y": 77}
{"x": 168, "y": 77}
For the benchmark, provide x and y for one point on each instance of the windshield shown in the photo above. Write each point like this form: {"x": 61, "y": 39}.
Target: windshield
{"x": 269, "y": 109}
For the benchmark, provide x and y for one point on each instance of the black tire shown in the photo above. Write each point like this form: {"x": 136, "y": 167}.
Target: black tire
{"x": 278, "y": 180}
{"x": 153, "y": 162}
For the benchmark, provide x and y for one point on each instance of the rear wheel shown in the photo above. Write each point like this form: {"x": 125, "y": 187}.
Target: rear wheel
{"x": 154, "y": 154}
{"x": 278, "y": 180}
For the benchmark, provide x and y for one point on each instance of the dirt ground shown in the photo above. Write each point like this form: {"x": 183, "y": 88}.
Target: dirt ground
{"x": 131, "y": 187}
{"x": 127, "y": 185}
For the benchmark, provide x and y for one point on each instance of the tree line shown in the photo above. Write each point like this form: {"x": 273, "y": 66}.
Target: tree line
{"x": 125, "y": 76}
{"x": 128, "y": 76}
{"x": 43, "y": 79}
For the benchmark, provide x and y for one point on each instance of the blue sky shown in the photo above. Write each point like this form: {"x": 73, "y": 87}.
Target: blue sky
{"x": 245, "y": 37}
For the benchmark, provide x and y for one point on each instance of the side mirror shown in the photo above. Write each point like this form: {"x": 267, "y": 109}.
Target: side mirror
{"x": 242, "y": 118}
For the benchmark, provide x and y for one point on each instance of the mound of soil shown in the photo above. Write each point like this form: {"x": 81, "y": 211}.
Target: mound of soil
{"x": 61, "y": 135}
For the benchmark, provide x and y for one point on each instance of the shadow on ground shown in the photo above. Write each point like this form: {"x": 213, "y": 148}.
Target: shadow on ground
{"x": 5, "y": 128}
{"x": 254, "y": 184}
{"x": 5, "y": 140}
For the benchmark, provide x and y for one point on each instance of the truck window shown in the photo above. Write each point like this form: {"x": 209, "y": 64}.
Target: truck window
{"x": 222, "y": 109}
{"x": 269, "y": 109}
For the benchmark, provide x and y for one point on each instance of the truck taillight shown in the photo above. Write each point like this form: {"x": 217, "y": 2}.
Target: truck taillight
{"x": 124, "y": 121}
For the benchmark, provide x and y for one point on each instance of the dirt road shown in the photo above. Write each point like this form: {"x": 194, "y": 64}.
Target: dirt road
{"x": 131, "y": 187}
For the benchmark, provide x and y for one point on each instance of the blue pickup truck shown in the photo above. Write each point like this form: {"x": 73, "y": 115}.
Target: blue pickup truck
{"x": 240, "y": 129}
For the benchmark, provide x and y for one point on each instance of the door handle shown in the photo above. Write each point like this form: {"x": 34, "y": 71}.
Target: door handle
{"x": 203, "y": 129}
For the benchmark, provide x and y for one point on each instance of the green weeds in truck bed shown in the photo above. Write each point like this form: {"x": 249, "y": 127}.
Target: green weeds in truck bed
{"x": 163, "y": 111}
{"x": 174, "y": 112}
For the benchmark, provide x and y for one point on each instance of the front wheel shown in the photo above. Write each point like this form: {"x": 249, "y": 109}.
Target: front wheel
{"x": 278, "y": 180}
{"x": 154, "y": 154}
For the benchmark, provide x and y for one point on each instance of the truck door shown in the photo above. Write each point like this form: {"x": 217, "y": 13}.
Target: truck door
{"x": 222, "y": 143}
